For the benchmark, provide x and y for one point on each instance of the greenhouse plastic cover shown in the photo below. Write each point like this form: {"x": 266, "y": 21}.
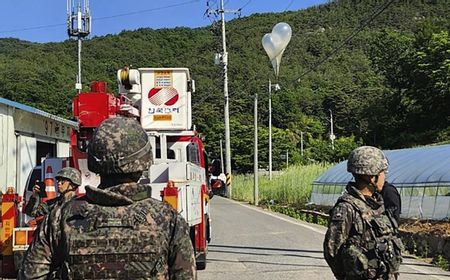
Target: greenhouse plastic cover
{"x": 423, "y": 166}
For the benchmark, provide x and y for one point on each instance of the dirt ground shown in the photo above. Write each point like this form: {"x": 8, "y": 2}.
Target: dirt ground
{"x": 431, "y": 227}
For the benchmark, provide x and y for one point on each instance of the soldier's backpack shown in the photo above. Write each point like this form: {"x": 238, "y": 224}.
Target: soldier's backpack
{"x": 103, "y": 242}
{"x": 375, "y": 249}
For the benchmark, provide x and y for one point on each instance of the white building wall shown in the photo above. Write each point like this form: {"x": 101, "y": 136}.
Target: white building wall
{"x": 62, "y": 149}
{"x": 21, "y": 127}
{"x": 8, "y": 150}
{"x": 26, "y": 160}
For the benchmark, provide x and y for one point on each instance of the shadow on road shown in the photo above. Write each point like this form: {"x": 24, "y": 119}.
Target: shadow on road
{"x": 264, "y": 248}
{"x": 402, "y": 274}
{"x": 247, "y": 250}
{"x": 265, "y": 263}
{"x": 409, "y": 260}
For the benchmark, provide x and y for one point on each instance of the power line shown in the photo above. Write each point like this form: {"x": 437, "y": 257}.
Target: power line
{"x": 245, "y": 5}
{"x": 32, "y": 28}
{"x": 290, "y": 4}
{"x": 348, "y": 39}
{"x": 148, "y": 10}
{"x": 210, "y": 11}
{"x": 102, "y": 18}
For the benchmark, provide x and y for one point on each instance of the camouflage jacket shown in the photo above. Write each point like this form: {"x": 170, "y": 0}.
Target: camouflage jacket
{"x": 37, "y": 208}
{"x": 114, "y": 233}
{"x": 358, "y": 228}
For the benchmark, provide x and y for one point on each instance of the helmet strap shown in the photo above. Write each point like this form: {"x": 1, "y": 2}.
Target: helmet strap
{"x": 373, "y": 185}
{"x": 69, "y": 189}
{"x": 362, "y": 181}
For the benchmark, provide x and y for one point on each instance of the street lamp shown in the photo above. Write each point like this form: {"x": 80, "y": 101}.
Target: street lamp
{"x": 274, "y": 44}
{"x": 276, "y": 87}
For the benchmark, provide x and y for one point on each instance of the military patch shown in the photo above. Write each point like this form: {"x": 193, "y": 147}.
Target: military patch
{"x": 140, "y": 216}
{"x": 159, "y": 267}
{"x": 111, "y": 222}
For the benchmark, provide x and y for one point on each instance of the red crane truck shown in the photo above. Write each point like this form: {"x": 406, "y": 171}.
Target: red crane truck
{"x": 160, "y": 98}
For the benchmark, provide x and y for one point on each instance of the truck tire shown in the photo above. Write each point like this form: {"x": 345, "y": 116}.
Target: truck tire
{"x": 208, "y": 230}
{"x": 201, "y": 262}
{"x": 201, "y": 258}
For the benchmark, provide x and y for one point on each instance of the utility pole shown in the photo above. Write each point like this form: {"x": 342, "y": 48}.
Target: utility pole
{"x": 226, "y": 99}
{"x": 301, "y": 143}
{"x": 277, "y": 87}
{"x": 79, "y": 26}
{"x": 221, "y": 157}
{"x": 332, "y": 136}
{"x": 224, "y": 60}
{"x": 255, "y": 156}
{"x": 287, "y": 158}
{"x": 270, "y": 130}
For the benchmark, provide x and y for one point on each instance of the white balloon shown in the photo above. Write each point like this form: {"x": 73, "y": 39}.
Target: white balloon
{"x": 276, "y": 42}
{"x": 272, "y": 44}
{"x": 284, "y": 32}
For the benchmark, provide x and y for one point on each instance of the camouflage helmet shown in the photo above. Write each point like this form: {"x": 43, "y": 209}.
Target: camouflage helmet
{"x": 71, "y": 174}
{"x": 367, "y": 160}
{"x": 119, "y": 146}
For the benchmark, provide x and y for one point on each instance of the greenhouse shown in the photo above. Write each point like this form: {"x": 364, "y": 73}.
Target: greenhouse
{"x": 421, "y": 175}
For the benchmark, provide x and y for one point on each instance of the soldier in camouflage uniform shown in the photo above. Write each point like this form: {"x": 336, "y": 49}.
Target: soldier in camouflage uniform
{"x": 116, "y": 231}
{"x": 361, "y": 241}
{"x": 68, "y": 180}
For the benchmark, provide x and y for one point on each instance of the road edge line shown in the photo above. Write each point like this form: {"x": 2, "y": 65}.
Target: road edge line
{"x": 295, "y": 222}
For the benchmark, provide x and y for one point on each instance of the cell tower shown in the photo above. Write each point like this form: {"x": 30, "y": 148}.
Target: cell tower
{"x": 79, "y": 26}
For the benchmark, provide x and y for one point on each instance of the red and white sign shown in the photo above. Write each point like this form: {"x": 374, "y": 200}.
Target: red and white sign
{"x": 166, "y": 99}
{"x": 159, "y": 96}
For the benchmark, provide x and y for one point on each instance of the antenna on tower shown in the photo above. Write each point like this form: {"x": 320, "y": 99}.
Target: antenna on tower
{"x": 79, "y": 26}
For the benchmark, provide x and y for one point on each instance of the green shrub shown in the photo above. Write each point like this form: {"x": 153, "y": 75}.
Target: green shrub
{"x": 442, "y": 262}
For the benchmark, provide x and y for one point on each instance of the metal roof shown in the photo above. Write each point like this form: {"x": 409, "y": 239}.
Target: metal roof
{"x": 423, "y": 166}
{"x": 33, "y": 110}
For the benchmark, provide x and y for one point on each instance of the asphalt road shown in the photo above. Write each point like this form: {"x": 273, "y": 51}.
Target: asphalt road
{"x": 251, "y": 243}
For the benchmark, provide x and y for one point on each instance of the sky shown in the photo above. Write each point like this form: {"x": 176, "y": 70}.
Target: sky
{"x": 45, "y": 20}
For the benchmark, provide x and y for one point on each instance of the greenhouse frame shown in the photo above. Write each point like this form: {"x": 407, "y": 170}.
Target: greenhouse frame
{"x": 421, "y": 175}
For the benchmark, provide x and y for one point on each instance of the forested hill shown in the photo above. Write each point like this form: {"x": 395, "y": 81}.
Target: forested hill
{"x": 388, "y": 86}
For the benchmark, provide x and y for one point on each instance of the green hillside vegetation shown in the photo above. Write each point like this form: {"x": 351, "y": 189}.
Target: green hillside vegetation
{"x": 388, "y": 87}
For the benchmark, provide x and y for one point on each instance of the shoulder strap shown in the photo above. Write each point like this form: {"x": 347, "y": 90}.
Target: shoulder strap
{"x": 357, "y": 204}
{"x": 361, "y": 208}
{"x": 392, "y": 220}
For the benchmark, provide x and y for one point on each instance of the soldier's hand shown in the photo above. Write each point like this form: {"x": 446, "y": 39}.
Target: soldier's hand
{"x": 36, "y": 190}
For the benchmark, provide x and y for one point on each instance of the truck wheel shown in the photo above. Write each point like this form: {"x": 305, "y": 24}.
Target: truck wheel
{"x": 201, "y": 258}
{"x": 201, "y": 262}
{"x": 208, "y": 229}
